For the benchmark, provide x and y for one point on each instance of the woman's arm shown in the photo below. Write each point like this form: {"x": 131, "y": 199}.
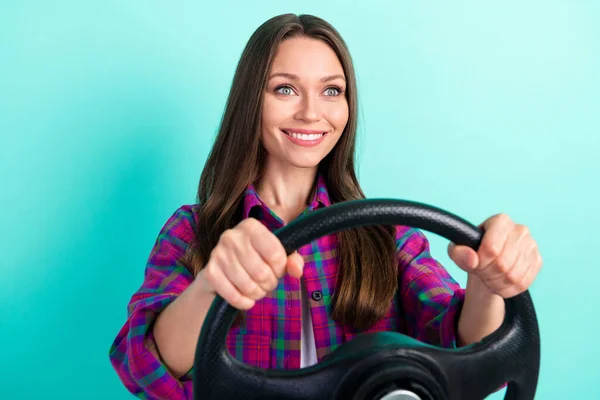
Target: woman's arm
{"x": 482, "y": 312}
{"x": 177, "y": 328}
{"x": 133, "y": 353}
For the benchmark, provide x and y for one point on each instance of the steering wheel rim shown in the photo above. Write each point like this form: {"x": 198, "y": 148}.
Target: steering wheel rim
{"x": 510, "y": 355}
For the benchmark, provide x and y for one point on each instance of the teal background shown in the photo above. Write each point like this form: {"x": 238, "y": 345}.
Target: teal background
{"x": 108, "y": 109}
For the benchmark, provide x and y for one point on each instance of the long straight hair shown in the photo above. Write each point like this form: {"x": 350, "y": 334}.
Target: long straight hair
{"x": 368, "y": 275}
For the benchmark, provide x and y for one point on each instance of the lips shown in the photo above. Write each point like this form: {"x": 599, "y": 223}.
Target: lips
{"x": 304, "y": 134}
{"x": 303, "y": 131}
{"x": 304, "y": 137}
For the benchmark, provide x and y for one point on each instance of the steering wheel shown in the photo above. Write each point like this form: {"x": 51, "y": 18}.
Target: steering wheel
{"x": 383, "y": 365}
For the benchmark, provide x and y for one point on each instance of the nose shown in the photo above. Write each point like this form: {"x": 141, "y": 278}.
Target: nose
{"x": 308, "y": 110}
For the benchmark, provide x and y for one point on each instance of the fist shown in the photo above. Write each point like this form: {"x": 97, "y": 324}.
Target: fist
{"x": 508, "y": 259}
{"x": 247, "y": 263}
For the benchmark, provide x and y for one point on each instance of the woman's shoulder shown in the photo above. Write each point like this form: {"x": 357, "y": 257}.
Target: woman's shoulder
{"x": 180, "y": 225}
{"x": 408, "y": 234}
{"x": 187, "y": 212}
{"x": 411, "y": 243}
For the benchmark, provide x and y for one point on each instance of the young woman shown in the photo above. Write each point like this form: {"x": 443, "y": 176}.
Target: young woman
{"x": 286, "y": 148}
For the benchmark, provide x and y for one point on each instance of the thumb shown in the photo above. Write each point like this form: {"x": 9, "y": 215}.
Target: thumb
{"x": 295, "y": 265}
{"x": 464, "y": 257}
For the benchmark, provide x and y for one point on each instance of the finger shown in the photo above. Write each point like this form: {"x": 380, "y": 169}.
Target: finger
{"x": 534, "y": 262}
{"x": 534, "y": 258}
{"x": 529, "y": 277}
{"x": 239, "y": 277}
{"x": 267, "y": 245}
{"x": 224, "y": 257}
{"x": 496, "y": 233}
{"x": 516, "y": 246}
{"x": 514, "y": 280}
{"x": 295, "y": 265}
{"x": 222, "y": 286}
{"x": 463, "y": 256}
{"x": 258, "y": 270}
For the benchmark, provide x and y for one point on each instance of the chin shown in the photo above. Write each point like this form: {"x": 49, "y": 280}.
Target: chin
{"x": 305, "y": 165}
{"x": 305, "y": 162}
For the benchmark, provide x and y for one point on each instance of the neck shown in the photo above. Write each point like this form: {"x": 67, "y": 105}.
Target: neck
{"x": 286, "y": 189}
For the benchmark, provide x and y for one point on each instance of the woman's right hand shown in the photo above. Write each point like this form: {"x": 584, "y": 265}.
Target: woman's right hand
{"x": 247, "y": 263}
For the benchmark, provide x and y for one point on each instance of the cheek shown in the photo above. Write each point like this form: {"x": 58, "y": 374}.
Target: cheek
{"x": 271, "y": 119}
{"x": 274, "y": 112}
{"x": 338, "y": 116}
{"x": 268, "y": 114}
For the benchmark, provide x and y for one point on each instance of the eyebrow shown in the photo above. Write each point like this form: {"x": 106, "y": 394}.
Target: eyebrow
{"x": 295, "y": 77}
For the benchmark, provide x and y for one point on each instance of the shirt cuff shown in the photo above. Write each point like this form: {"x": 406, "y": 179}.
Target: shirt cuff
{"x": 449, "y": 324}
{"x": 135, "y": 356}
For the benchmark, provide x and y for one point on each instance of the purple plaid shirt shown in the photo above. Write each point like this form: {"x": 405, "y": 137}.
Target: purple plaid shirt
{"x": 426, "y": 306}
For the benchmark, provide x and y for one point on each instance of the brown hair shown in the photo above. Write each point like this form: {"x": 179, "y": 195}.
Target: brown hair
{"x": 367, "y": 278}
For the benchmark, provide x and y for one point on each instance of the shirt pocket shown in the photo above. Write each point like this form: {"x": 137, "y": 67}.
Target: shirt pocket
{"x": 251, "y": 349}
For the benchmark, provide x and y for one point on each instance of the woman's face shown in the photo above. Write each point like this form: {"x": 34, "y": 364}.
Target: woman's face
{"x": 305, "y": 109}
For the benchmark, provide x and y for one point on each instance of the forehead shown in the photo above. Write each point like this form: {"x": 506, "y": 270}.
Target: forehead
{"x": 307, "y": 58}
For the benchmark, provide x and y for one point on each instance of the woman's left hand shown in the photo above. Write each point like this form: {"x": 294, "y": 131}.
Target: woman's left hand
{"x": 508, "y": 259}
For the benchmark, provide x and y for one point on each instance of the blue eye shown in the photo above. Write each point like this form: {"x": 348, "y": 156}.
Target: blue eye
{"x": 285, "y": 90}
{"x": 333, "y": 91}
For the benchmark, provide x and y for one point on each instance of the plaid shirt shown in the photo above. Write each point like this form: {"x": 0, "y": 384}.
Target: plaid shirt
{"x": 426, "y": 306}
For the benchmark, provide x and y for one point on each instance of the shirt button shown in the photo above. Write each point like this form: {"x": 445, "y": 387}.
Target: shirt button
{"x": 317, "y": 295}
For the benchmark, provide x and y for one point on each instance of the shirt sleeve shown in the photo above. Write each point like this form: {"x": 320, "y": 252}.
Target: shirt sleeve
{"x": 430, "y": 299}
{"x": 133, "y": 353}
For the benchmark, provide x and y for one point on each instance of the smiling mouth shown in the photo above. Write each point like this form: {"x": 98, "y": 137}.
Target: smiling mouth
{"x": 304, "y": 136}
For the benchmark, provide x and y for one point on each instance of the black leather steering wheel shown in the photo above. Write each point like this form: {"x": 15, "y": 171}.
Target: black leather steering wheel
{"x": 385, "y": 365}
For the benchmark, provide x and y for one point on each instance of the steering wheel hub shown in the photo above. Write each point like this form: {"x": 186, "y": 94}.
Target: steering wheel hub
{"x": 400, "y": 394}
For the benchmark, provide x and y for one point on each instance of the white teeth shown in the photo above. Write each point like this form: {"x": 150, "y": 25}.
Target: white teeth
{"x": 302, "y": 136}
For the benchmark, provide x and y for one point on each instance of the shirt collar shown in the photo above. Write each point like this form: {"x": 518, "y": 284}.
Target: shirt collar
{"x": 320, "y": 197}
